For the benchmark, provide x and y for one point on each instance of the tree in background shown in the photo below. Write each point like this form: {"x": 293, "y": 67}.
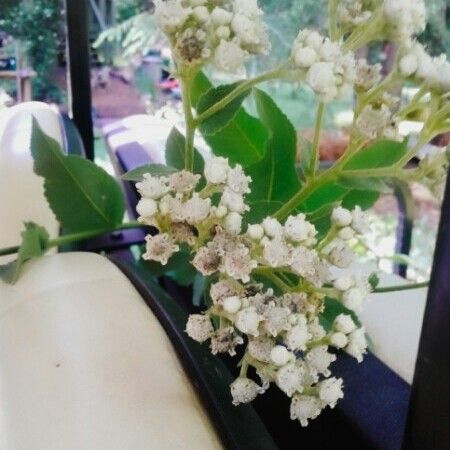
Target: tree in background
{"x": 37, "y": 25}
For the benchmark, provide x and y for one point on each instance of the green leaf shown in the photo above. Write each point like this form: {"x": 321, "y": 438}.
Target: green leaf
{"x": 259, "y": 210}
{"x": 198, "y": 289}
{"x": 81, "y": 195}
{"x": 175, "y": 152}
{"x": 157, "y": 170}
{"x": 274, "y": 177}
{"x": 332, "y": 309}
{"x": 220, "y": 119}
{"x": 327, "y": 194}
{"x": 376, "y": 184}
{"x": 243, "y": 140}
{"x": 374, "y": 280}
{"x": 380, "y": 154}
{"x": 34, "y": 244}
{"x": 363, "y": 199}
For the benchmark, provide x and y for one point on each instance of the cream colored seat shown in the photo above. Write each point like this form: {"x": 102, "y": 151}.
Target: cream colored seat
{"x": 21, "y": 191}
{"x": 85, "y": 365}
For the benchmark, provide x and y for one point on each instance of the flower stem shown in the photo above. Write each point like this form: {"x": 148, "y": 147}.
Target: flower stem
{"x": 240, "y": 89}
{"x": 402, "y": 287}
{"x": 190, "y": 122}
{"x": 74, "y": 237}
{"x": 315, "y": 145}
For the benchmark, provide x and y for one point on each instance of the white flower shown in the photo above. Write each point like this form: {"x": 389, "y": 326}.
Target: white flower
{"x": 276, "y": 320}
{"x": 233, "y": 201}
{"x": 297, "y": 337}
{"x": 305, "y": 408}
{"x": 199, "y": 327}
{"x": 229, "y": 56}
{"x": 289, "y": 379}
{"x": 153, "y": 187}
{"x": 250, "y": 33}
{"x": 256, "y": 232}
{"x": 237, "y": 181}
{"x": 372, "y": 122}
{"x": 316, "y": 330}
{"x": 346, "y": 233}
{"x": 247, "y": 321}
{"x": 276, "y": 253}
{"x": 305, "y": 57}
{"x": 221, "y": 17}
{"x": 280, "y": 355}
{"x": 357, "y": 344}
{"x": 341, "y": 255}
{"x": 338, "y": 340}
{"x": 206, "y": 260}
{"x": 341, "y": 217}
{"x": 330, "y": 391}
{"x": 353, "y": 299}
{"x": 233, "y": 223}
{"x": 160, "y": 248}
{"x": 307, "y": 264}
{"x": 171, "y": 14}
{"x": 272, "y": 227}
{"x": 223, "y": 289}
{"x": 408, "y": 65}
{"x": 260, "y": 348}
{"x": 360, "y": 221}
{"x": 322, "y": 80}
{"x": 298, "y": 229}
{"x": 223, "y": 32}
{"x": 330, "y": 51}
{"x": 238, "y": 264}
{"x": 196, "y": 209}
{"x": 201, "y": 13}
{"x": 172, "y": 207}
{"x": 367, "y": 75}
{"x": 232, "y": 304}
{"x": 216, "y": 170}
{"x": 248, "y": 8}
{"x": 319, "y": 359}
{"x": 244, "y": 390}
{"x": 225, "y": 340}
{"x": 344, "y": 324}
{"x": 183, "y": 181}
{"x": 147, "y": 207}
{"x": 406, "y": 17}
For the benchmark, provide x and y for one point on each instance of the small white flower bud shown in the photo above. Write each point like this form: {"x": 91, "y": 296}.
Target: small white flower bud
{"x": 256, "y": 232}
{"x": 341, "y": 217}
{"x": 244, "y": 390}
{"x": 408, "y": 65}
{"x": 199, "y": 327}
{"x": 346, "y": 233}
{"x": 216, "y": 170}
{"x": 280, "y": 355}
{"x": 220, "y": 16}
{"x": 344, "y": 282}
{"x": 353, "y": 299}
{"x": 223, "y": 32}
{"x": 147, "y": 207}
{"x": 232, "y": 304}
{"x": 305, "y": 57}
{"x": 304, "y": 408}
{"x": 289, "y": 378}
{"x": 233, "y": 223}
{"x": 221, "y": 211}
{"x": 201, "y": 13}
{"x": 357, "y": 344}
{"x": 344, "y": 324}
{"x": 247, "y": 321}
{"x": 338, "y": 340}
{"x": 272, "y": 227}
{"x": 297, "y": 337}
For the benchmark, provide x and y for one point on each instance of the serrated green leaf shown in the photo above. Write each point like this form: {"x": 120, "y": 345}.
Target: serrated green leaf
{"x": 243, "y": 140}
{"x": 157, "y": 170}
{"x": 220, "y": 119}
{"x": 81, "y": 195}
{"x": 332, "y": 309}
{"x": 380, "y": 154}
{"x": 376, "y": 184}
{"x": 175, "y": 152}
{"x": 274, "y": 177}
{"x": 34, "y": 244}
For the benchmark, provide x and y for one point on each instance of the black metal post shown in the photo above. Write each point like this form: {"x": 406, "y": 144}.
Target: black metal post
{"x": 428, "y": 423}
{"x": 78, "y": 73}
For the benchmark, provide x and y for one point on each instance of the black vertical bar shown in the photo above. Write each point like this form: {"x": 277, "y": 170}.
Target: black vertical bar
{"x": 428, "y": 423}
{"x": 79, "y": 79}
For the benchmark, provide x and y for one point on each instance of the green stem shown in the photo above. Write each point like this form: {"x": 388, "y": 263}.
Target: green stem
{"x": 315, "y": 145}
{"x": 240, "y": 89}
{"x": 403, "y": 287}
{"x": 75, "y": 237}
{"x": 332, "y": 20}
{"x": 190, "y": 123}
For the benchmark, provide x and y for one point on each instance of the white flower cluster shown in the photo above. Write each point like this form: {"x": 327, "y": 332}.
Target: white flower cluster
{"x": 351, "y": 13}
{"x": 224, "y": 33}
{"x": 404, "y": 18}
{"x": 432, "y": 172}
{"x": 285, "y": 340}
{"x": 433, "y": 71}
{"x": 328, "y": 70}
{"x": 183, "y": 216}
